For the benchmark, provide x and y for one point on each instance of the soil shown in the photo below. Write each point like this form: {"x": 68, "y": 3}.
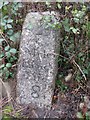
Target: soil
{"x": 65, "y": 104}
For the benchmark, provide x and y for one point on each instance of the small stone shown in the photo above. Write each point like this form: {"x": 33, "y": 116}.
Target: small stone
{"x": 87, "y": 101}
{"x": 81, "y": 105}
{"x": 68, "y": 77}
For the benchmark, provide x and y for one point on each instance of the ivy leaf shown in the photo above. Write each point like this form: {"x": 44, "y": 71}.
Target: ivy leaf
{"x": 59, "y": 6}
{"x": 12, "y": 59}
{"x": 9, "y": 26}
{"x": 7, "y": 74}
{"x": 3, "y": 23}
{"x": 6, "y": 3}
{"x": 8, "y": 65}
{"x": 67, "y": 29}
{"x": 20, "y": 5}
{"x": 74, "y": 30}
{"x": 5, "y": 27}
{"x": 5, "y": 17}
{"x": 9, "y": 20}
{"x": 15, "y": 36}
{"x": 1, "y": 55}
{"x": 8, "y": 54}
{"x": 1, "y": 40}
{"x": 80, "y": 54}
{"x": 2, "y": 66}
{"x": 13, "y": 50}
{"x": 11, "y": 74}
{"x": 7, "y": 48}
{"x": 12, "y": 38}
{"x": 86, "y": 71}
{"x": 5, "y": 69}
{"x": 10, "y": 32}
{"x": 79, "y": 115}
{"x": 76, "y": 20}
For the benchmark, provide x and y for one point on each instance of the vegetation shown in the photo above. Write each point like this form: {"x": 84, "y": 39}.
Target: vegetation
{"x": 9, "y": 37}
{"x": 74, "y": 49}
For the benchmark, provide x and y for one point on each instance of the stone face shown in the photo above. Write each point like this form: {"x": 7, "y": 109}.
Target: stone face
{"x": 37, "y": 67}
{"x": 0, "y": 99}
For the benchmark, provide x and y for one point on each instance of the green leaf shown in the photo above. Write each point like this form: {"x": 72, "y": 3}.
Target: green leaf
{"x": 17, "y": 35}
{"x": 59, "y": 6}
{"x": 15, "y": 58}
{"x": 1, "y": 40}
{"x": 5, "y": 17}
{"x": 86, "y": 71}
{"x": 5, "y": 27}
{"x": 79, "y": 115}
{"x": 13, "y": 50}
{"x": 8, "y": 109}
{"x": 9, "y": 26}
{"x": 12, "y": 38}
{"x": 7, "y": 74}
{"x": 7, "y": 48}
{"x": 20, "y": 5}
{"x": 12, "y": 59}
{"x": 67, "y": 29}
{"x": 8, "y": 65}
{"x": 6, "y": 3}
{"x": 2, "y": 66}
{"x": 11, "y": 74}
{"x": 88, "y": 115}
{"x": 3, "y": 23}
{"x": 6, "y": 117}
{"x": 76, "y": 20}
{"x": 1, "y": 55}
{"x": 74, "y": 30}
{"x": 80, "y": 54}
{"x": 8, "y": 54}
{"x": 9, "y": 20}
{"x": 10, "y": 32}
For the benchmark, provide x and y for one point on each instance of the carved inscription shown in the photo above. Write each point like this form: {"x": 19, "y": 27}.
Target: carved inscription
{"x": 35, "y": 91}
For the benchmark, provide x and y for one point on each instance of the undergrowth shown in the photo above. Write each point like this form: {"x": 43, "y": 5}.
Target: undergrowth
{"x": 74, "y": 46}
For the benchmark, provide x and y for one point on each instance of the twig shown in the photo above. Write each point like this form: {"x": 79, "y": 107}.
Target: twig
{"x": 4, "y": 38}
{"x": 3, "y": 104}
{"x": 33, "y": 111}
{"x": 14, "y": 65}
{"x": 8, "y": 94}
{"x": 79, "y": 69}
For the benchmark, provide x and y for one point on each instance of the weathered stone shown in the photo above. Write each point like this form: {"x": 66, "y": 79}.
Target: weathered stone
{"x": 0, "y": 99}
{"x": 37, "y": 67}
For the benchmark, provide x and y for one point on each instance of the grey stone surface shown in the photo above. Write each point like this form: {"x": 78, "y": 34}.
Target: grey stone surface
{"x": 0, "y": 99}
{"x": 37, "y": 67}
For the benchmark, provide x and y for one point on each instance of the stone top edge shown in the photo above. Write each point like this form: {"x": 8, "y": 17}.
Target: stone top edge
{"x": 42, "y": 13}
{"x": 80, "y": 1}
